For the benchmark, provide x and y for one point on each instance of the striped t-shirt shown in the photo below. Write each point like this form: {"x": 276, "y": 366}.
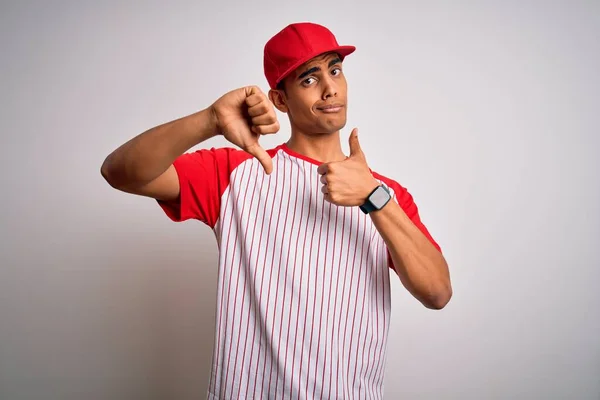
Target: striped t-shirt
{"x": 303, "y": 298}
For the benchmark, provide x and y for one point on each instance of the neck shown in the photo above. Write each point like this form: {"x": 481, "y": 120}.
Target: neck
{"x": 324, "y": 148}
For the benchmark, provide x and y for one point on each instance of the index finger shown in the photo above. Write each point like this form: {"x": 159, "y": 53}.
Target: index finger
{"x": 323, "y": 168}
{"x": 254, "y": 96}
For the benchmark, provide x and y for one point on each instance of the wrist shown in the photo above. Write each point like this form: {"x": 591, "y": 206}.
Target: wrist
{"x": 213, "y": 122}
{"x": 377, "y": 199}
{"x": 369, "y": 188}
{"x": 205, "y": 125}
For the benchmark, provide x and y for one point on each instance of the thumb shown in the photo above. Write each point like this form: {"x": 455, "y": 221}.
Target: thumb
{"x": 355, "y": 150}
{"x": 262, "y": 156}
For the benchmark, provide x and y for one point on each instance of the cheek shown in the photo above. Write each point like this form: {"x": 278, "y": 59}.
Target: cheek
{"x": 302, "y": 111}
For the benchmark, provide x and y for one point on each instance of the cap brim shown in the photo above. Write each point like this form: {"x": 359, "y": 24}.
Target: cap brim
{"x": 343, "y": 51}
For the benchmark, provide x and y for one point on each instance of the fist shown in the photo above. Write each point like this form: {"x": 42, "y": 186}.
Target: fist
{"x": 349, "y": 182}
{"x": 244, "y": 114}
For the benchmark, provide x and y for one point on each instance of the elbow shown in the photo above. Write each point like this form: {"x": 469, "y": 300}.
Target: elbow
{"x": 109, "y": 174}
{"x": 439, "y": 299}
{"x": 104, "y": 171}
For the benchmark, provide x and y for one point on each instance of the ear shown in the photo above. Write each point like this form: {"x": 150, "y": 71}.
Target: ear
{"x": 277, "y": 97}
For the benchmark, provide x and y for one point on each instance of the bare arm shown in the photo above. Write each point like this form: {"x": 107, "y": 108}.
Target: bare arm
{"x": 421, "y": 267}
{"x": 143, "y": 165}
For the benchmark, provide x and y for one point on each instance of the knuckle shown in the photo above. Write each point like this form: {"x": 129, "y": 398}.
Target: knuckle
{"x": 264, "y": 107}
{"x": 258, "y": 120}
{"x": 267, "y": 130}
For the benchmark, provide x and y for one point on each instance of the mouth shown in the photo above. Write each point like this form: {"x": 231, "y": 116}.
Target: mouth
{"x": 331, "y": 108}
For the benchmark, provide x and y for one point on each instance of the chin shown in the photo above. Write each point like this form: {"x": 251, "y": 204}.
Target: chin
{"x": 325, "y": 127}
{"x": 334, "y": 126}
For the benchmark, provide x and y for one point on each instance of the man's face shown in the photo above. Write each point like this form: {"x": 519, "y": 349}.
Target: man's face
{"x": 314, "y": 96}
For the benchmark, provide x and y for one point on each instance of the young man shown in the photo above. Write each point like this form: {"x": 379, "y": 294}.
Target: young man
{"x": 306, "y": 234}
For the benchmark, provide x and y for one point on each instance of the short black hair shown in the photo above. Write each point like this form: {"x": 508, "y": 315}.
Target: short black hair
{"x": 281, "y": 85}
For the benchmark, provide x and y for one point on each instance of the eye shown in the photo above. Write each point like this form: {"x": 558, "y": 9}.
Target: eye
{"x": 308, "y": 81}
{"x": 336, "y": 71}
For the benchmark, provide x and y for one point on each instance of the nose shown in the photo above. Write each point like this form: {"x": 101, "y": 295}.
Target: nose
{"x": 329, "y": 87}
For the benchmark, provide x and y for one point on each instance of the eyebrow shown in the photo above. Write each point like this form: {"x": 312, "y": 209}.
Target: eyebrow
{"x": 334, "y": 61}
{"x": 315, "y": 69}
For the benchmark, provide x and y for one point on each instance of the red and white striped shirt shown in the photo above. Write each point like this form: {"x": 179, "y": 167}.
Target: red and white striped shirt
{"x": 303, "y": 299}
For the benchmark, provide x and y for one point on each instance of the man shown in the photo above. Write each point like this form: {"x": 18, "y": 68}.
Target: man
{"x": 306, "y": 234}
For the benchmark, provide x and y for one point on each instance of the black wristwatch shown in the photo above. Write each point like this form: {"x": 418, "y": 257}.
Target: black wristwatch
{"x": 378, "y": 198}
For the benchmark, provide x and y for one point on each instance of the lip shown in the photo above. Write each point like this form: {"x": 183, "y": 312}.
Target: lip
{"x": 331, "y": 108}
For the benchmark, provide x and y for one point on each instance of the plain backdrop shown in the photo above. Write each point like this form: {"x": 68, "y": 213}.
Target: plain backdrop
{"x": 488, "y": 112}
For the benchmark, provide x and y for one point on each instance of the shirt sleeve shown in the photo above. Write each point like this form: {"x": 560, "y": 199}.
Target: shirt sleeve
{"x": 203, "y": 178}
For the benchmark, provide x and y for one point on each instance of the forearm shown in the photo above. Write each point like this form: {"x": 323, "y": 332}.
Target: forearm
{"x": 421, "y": 267}
{"x": 148, "y": 155}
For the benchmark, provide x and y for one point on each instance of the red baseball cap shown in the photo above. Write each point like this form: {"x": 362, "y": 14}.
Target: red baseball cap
{"x": 296, "y": 44}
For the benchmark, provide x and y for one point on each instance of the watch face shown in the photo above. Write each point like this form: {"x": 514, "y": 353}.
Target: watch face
{"x": 380, "y": 197}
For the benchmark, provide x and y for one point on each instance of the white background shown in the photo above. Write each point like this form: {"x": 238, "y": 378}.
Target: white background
{"x": 487, "y": 112}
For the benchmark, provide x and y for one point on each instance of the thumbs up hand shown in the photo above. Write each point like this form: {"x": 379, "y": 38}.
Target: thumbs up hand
{"x": 349, "y": 182}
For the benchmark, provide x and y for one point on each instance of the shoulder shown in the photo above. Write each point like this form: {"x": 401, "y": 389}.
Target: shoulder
{"x": 223, "y": 159}
{"x": 230, "y": 154}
